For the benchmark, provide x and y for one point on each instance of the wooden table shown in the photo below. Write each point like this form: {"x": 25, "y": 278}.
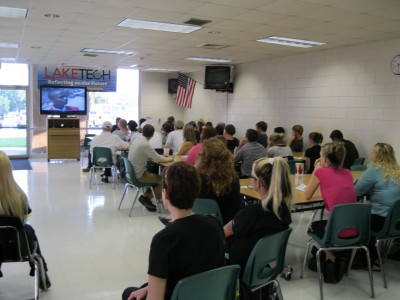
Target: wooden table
{"x": 176, "y": 159}
{"x": 300, "y": 203}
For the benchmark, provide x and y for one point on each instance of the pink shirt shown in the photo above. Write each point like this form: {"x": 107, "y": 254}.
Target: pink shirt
{"x": 336, "y": 185}
{"x": 192, "y": 156}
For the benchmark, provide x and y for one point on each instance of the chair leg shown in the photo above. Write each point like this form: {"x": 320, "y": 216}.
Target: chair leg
{"x": 353, "y": 254}
{"x": 387, "y": 250}
{"x": 321, "y": 292}
{"x": 154, "y": 195}
{"x": 278, "y": 289}
{"x": 377, "y": 246}
{"x": 36, "y": 279}
{"x": 305, "y": 258}
{"x": 113, "y": 170}
{"x": 90, "y": 181}
{"x": 134, "y": 201}
{"x": 123, "y": 195}
{"x": 41, "y": 271}
{"x": 371, "y": 280}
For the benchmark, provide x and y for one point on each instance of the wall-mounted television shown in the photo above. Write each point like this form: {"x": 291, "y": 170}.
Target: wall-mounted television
{"x": 218, "y": 78}
{"x": 63, "y": 100}
{"x": 172, "y": 85}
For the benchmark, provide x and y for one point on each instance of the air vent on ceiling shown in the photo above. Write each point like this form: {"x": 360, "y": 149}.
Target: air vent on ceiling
{"x": 197, "y": 22}
{"x": 90, "y": 55}
{"x": 211, "y": 46}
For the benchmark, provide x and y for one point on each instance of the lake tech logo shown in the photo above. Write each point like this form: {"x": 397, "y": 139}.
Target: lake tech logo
{"x": 93, "y": 79}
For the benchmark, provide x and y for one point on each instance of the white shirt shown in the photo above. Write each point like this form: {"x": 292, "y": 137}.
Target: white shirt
{"x": 174, "y": 140}
{"x": 109, "y": 140}
{"x": 156, "y": 140}
{"x": 140, "y": 152}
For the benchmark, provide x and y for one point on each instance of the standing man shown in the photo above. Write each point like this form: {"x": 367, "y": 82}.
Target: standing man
{"x": 175, "y": 138}
{"x": 140, "y": 152}
{"x": 108, "y": 140}
{"x": 261, "y": 128}
{"x": 351, "y": 150}
{"x": 249, "y": 151}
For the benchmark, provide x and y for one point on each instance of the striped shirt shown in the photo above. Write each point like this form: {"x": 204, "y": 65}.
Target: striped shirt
{"x": 249, "y": 153}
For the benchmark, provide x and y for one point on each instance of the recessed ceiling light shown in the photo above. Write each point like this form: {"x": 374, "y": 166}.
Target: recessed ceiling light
{"x": 8, "y": 59}
{"x": 9, "y": 45}
{"x": 11, "y": 12}
{"x": 169, "y": 27}
{"x": 90, "y": 50}
{"x": 55, "y": 16}
{"x": 290, "y": 42}
{"x": 220, "y": 60}
{"x": 154, "y": 69}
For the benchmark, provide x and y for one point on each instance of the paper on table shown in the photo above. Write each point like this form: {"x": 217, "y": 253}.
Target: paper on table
{"x": 301, "y": 187}
{"x": 246, "y": 187}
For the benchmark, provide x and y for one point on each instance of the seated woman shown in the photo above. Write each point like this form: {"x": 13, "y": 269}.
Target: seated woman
{"x": 218, "y": 178}
{"x": 336, "y": 184}
{"x": 13, "y": 202}
{"x": 178, "y": 250}
{"x": 189, "y": 140}
{"x": 206, "y": 133}
{"x": 277, "y": 147}
{"x": 382, "y": 182}
{"x": 271, "y": 179}
{"x": 313, "y": 152}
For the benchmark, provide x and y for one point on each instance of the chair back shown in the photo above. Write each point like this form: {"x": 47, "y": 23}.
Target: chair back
{"x": 87, "y": 140}
{"x": 130, "y": 175}
{"x": 213, "y": 284}
{"x": 292, "y": 166}
{"x": 352, "y": 218}
{"x": 203, "y": 206}
{"x": 358, "y": 161}
{"x": 391, "y": 227}
{"x": 102, "y": 157}
{"x": 267, "y": 259}
{"x": 358, "y": 168}
{"x": 13, "y": 242}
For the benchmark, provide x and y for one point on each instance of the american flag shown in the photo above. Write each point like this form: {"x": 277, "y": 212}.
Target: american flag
{"x": 184, "y": 93}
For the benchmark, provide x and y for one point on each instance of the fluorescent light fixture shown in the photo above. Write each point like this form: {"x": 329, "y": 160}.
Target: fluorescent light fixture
{"x": 155, "y": 69}
{"x": 290, "y": 42}
{"x": 11, "y": 12}
{"x": 220, "y": 60}
{"x": 100, "y": 51}
{"x": 139, "y": 24}
{"x": 8, "y": 59}
{"x": 9, "y": 45}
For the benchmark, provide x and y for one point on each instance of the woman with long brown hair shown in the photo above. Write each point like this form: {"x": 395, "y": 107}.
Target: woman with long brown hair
{"x": 189, "y": 140}
{"x": 219, "y": 180}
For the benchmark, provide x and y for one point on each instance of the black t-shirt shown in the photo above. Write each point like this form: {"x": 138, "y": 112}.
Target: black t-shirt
{"x": 185, "y": 247}
{"x": 250, "y": 224}
{"x": 263, "y": 139}
{"x": 297, "y": 145}
{"x": 351, "y": 154}
{"x": 229, "y": 204}
{"x": 313, "y": 153}
{"x": 232, "y": 144}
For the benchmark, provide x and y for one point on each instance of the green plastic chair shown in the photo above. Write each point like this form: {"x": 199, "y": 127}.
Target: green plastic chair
{"x": 292, "y": 166}
{"x": 218, "y": 284}
{"x": 358, "y": 168}
{"x": 14, "y": 247}
{"x": 102, "y": 159}
{"x": 131, "y": 181}
{"x": 389, "y": 232}
{"x": 86, "y": 143}
{"x": 266, "y": 261}
{"x": 346, "y": 216}
{"x": 359, "y": 161}
{"x": 203, "y": 206}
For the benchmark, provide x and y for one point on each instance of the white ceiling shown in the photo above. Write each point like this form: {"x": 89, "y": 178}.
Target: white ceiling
{"x": 92, "y": 24}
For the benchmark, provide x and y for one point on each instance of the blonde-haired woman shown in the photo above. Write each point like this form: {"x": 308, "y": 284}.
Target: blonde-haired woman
{"x": 277, "y": 147}
{"x": 189, "y": 138}
{"x": 13, "y": 202}
{"x": 270, "y": 177}
{"x": 219, "y": 180}
{"x": 382, "y": 182}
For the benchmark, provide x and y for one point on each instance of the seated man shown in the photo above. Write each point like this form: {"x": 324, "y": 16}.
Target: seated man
{"x": 122, "y": 130}
{"x": 190, "y": 244}
{"x": 175, "y": 138}
{"x": 108, "y": 140}
{"x": 140, "y": 152}
{"x": 249, "y": 151}
{"x": 351, "y": 150}
{"x": 261, "y": 128}
{"x": 296, "y": 139}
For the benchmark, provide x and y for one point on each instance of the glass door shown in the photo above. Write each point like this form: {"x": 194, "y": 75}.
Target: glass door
{"x": 13, "y": 121}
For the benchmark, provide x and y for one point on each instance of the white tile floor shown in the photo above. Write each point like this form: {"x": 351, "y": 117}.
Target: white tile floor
{"x": 94, "y": 251}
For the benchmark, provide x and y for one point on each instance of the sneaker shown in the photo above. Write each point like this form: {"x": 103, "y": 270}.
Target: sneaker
{"x": 86, "y": 170}
{"x": 146, "y": 202}
{"x": 48, "y": 283}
